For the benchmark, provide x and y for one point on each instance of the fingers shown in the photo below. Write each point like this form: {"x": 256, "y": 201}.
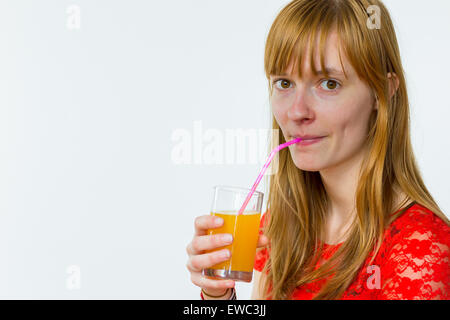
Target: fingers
{"x": 201, "y": 281}
{"x": 197, "y": 263}
{"x": 262, "y": 241}
{"x": 203, "y": 242}
{"x": 203, "y": 223}
{"x": 209, "y": 242}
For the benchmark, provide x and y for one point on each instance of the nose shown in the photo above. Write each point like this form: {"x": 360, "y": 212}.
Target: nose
{"x": 301, "y": 108}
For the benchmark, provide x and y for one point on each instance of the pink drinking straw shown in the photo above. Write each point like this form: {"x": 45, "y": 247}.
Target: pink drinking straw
{"x": 272, "y": 154}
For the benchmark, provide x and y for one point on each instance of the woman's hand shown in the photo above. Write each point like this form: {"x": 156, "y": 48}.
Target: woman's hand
{"x": 199, "y": 260}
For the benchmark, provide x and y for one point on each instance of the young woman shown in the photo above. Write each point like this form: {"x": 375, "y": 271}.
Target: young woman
{"x": 349, "y": 216}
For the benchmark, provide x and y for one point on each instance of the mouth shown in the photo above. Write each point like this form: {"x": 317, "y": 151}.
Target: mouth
{"x": 307, "y": 140}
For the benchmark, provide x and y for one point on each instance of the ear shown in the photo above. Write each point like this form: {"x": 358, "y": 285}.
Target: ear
{"x": 393, "y": 87}
{"x": 393, "y": 83}
{"x": 375, "y": 104}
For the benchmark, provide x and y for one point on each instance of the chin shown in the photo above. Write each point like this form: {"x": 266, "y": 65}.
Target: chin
{"x": 306, "y": 161}
{"x": 307, "y": 167}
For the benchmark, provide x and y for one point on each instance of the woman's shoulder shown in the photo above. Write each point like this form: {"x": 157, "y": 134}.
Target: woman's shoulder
{"x": 416, "y": 255}
{"x": 419, "y": 222}
{"x": 417, "y": 232}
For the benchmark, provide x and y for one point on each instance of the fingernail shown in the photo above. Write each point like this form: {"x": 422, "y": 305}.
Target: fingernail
{"x": 225, "y": 254}
{"x": 218, "y": 221}
{"x": 227, "y": 238}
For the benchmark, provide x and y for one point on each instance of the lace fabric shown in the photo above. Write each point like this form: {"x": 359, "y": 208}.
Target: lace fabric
{"x": 413, "y": 262}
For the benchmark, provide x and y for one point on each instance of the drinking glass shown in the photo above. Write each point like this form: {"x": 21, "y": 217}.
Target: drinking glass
{"x": 244, "y": 228}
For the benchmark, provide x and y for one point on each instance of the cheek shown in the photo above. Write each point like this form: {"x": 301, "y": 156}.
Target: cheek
{"x": 278, "y": 110}
{"x": 353, "y": 126}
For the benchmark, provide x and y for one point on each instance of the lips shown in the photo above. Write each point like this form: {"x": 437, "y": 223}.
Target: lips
{"x": 307, "y": 140}
{"x": 307, "y": 137}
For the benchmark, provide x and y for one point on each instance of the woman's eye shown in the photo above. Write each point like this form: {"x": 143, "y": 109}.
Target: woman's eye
{"x": 282, "y": 84}
{"x": 330, "y": 85}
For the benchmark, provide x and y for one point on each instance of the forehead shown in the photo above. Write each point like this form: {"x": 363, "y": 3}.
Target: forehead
{"x": 335, "y": 62}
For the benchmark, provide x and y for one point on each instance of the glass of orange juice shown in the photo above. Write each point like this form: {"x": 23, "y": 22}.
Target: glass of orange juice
{"x": 244, "y": 228}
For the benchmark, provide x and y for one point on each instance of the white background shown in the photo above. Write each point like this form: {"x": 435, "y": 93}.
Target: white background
{"x": 86, "y": 123}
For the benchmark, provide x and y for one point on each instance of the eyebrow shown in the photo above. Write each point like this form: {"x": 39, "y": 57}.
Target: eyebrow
{"x": 331, "y": 71}
{"x": 320, "y": 72}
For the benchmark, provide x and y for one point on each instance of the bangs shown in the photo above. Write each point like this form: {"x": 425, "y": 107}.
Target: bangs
{"x": 300, "y": 25}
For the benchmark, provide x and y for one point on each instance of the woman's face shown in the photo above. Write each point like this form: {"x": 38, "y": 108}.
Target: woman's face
{"x": 336, "y": 108}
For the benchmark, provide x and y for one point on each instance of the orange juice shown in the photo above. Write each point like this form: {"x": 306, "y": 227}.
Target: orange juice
{"x": 244, "y": 229}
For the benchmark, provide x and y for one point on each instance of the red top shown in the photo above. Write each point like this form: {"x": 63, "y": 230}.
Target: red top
{"x": 413, "y": 262}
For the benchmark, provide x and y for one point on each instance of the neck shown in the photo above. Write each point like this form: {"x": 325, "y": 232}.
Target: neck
{"x": 340, "y": 183}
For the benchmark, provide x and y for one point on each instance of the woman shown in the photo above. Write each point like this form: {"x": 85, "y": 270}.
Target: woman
{"x": 349, "y": 216}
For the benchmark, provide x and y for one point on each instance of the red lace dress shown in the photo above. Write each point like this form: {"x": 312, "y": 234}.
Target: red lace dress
{"x": 413, "y": 262}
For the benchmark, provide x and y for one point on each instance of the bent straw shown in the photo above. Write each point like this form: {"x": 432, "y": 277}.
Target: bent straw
{"x": 272, "y": 154}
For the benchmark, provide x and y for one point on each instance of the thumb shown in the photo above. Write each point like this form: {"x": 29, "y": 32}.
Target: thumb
{"x": 262, "y": 241}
